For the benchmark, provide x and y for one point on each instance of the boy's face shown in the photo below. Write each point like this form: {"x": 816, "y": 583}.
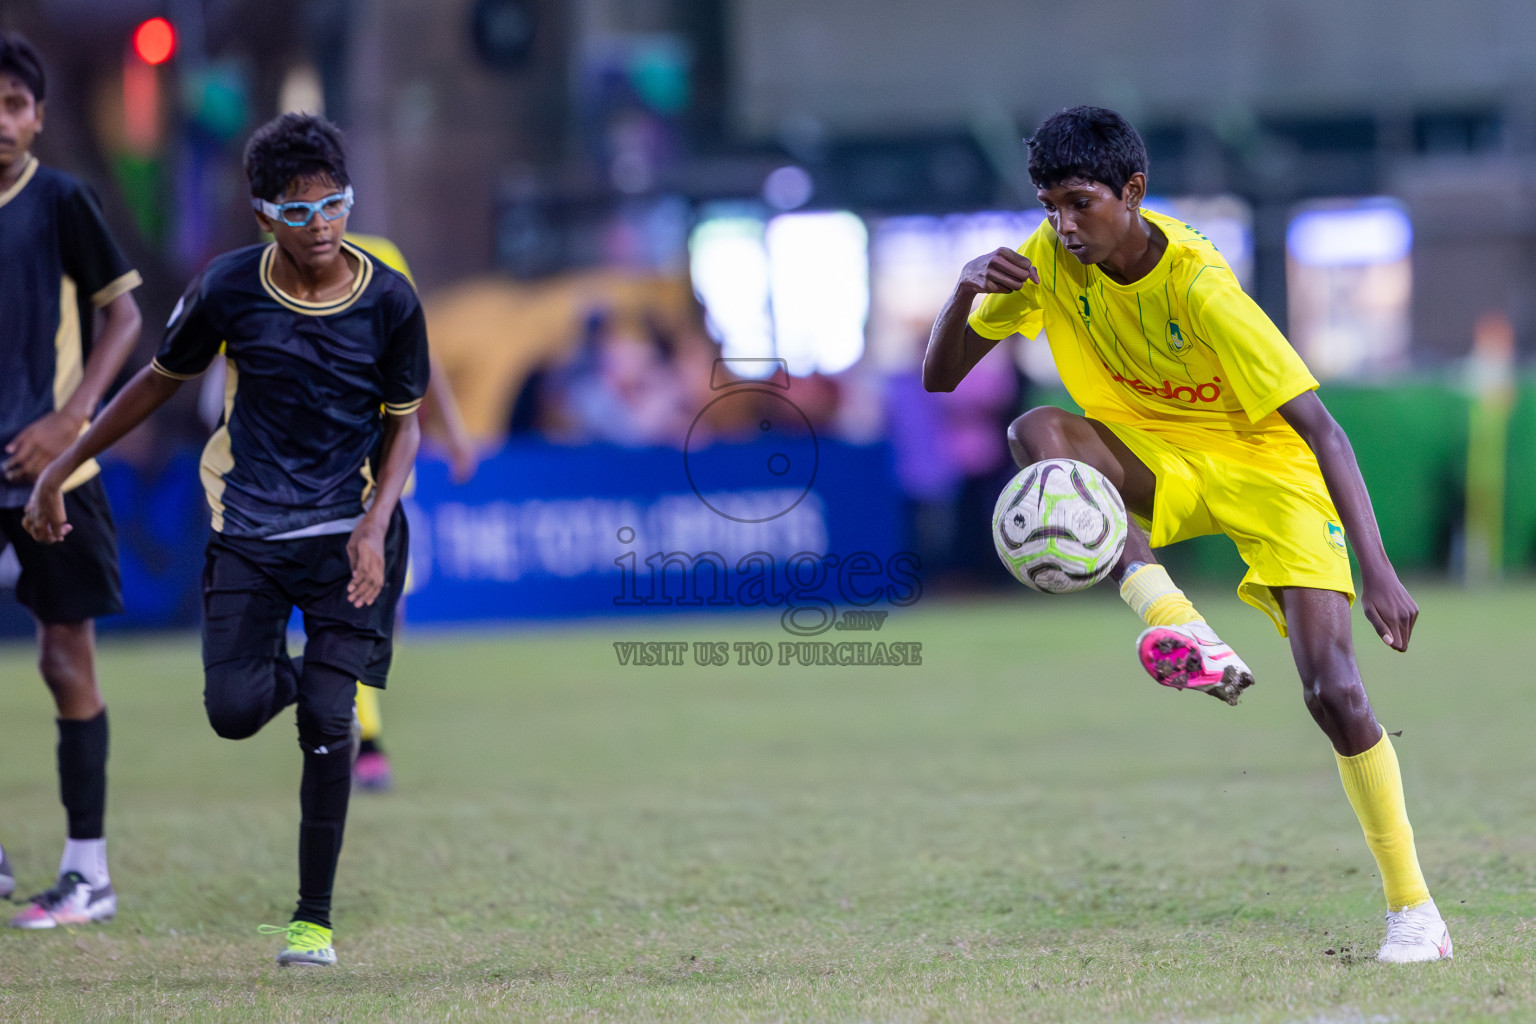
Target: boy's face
{"x": 316, "y": 245}
{"x": 1090, "y": 219}
{"x": 21, "y": 118}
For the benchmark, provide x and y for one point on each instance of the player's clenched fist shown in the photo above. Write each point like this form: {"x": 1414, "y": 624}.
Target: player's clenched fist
{"x": 1003, "y": 270}
{"x": 1390, "y": 609}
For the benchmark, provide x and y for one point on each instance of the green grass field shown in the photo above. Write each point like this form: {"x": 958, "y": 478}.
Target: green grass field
{"x": 1022, "y": 828}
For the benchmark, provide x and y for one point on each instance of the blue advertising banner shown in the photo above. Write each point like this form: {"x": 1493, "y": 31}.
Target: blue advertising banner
{"x": 550, "y": 532}
{"x": 161, "y": 517}
{"x": 546, "y": 531}
{"x": 162, "y": 527}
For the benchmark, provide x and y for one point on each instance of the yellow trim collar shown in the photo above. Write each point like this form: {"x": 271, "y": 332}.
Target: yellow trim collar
{"x": 21, "y": 182}
{"x": 360, "y": 283}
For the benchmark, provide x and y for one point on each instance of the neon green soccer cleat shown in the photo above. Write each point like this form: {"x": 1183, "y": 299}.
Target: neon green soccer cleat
{"x": 307, "y": 944}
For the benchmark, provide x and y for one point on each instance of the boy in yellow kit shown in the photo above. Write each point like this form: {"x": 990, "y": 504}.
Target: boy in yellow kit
{"x": 1206, "y": 420}
{"x": 371, "y": 771}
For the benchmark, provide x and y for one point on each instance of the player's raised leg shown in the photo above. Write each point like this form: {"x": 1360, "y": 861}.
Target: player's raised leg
{"x": 1177, "y": 648}
{"x": 247, "y": 675}
{"x": 1318, "y": 623}
{"x": 83, "y": 892}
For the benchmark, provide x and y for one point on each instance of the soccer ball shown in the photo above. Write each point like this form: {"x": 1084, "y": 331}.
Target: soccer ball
{"x": 1059, "y": 526}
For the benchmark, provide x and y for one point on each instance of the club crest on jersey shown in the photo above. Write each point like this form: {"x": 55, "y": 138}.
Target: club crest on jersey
{"x": 1176, "y": 343}
{"x": 1336, "y": 538}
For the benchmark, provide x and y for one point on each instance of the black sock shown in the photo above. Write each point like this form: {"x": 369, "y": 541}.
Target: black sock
{"x": 323, "y": 794}
{"x": 83, "y": 774}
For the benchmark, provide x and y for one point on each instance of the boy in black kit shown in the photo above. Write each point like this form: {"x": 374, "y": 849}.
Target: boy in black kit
{"x": 58, "y": 266}
{"x": 303, "y": 476}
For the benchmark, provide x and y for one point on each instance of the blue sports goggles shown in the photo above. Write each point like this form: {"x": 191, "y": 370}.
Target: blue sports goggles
{"x": 297, "y": 214}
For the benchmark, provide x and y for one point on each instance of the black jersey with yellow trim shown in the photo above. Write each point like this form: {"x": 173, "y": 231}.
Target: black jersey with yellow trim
{"x": 58, "y": 264}
{"x": 304, "y": 387}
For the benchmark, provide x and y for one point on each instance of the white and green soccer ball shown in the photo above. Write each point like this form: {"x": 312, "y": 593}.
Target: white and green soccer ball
{"x": 1059, "y": 526}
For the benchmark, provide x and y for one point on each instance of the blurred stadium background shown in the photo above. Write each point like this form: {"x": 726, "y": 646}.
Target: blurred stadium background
{"x": 598, "y": 200}
{"x": 600, "y": 197}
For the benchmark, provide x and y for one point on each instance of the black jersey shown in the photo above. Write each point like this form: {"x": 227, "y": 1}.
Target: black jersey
{"x": 58, "y": 263}
{"x": 307, "y": 387}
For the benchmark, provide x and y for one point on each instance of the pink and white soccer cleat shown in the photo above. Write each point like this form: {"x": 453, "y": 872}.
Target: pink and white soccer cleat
{"x": 1415, "y": 935}
{"x": 370, "y": 772}
{"x": 1193, "y": 657}
{"x": 72, "y": 900}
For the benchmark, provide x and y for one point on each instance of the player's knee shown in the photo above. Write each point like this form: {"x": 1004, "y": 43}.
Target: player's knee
{"x": 325, "y": 711}
{"x": 237, "y": 699}
{"x": 234, "y": 720}
{"x": 323, "y": 728}
{"x": 68, "y": 676}
{"x": 56, "y": 668}
{"x": 1042, "y": 433}
{"x": 1331, "y": 688}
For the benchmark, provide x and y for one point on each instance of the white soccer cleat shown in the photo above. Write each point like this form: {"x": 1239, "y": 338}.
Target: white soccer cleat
{"x": 72, "y": 900}
{"x": 1415, "y": 935}
{"x": 1193, "y": 657}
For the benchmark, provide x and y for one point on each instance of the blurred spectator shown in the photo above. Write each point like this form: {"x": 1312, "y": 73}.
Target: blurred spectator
{"x": 621, "y": 386}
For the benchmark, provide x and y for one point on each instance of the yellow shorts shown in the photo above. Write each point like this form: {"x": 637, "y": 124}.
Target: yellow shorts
{"x": 1267, "y": 494}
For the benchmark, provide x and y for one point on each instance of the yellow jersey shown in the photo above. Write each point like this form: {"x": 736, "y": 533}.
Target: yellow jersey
{"x": 389, "y": 254}
{"x": 1183, "y": 352}
{"x": 383, "y": 250}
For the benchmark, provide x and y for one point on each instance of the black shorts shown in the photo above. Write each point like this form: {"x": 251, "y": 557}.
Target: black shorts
{"x": 76, "y": 579}
{"x": 251, "y": 586}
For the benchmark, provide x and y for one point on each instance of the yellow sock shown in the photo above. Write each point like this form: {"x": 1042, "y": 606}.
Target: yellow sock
{"x": 369, "y": 718}
{"x": 1374, "y": 785}
{"x": 1152, "y": 595}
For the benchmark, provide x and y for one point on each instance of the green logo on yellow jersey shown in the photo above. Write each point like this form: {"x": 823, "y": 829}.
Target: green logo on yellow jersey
{"x": 1086, "y": 314}
{"x": 1336, "y": 538}
{"x": 1176, "y": 343}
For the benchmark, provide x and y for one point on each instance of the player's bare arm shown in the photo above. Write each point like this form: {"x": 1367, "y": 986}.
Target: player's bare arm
{"x": 141, "y": 396}
{"x": 953, "y": 347}
{"x": 1385, "y": 601}
{"x": 365, "y": 548}
{"x": 442, "y": 407}
{"x": 43, "y": 439}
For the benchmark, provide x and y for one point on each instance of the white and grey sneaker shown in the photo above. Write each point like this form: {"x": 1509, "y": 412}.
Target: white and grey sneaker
{"x": 72, "y": 900}
{"x": 7, "y": 876}
{"x": 1415, "y": 935}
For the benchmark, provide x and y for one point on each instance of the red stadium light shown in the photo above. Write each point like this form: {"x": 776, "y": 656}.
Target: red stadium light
{"x": 154, "y": 41}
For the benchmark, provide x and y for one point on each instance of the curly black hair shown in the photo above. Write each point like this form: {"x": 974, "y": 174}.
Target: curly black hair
{"x": 1087, "y": 143}
{"x": 20, "y": 58}
{"x": 294, "y": 147}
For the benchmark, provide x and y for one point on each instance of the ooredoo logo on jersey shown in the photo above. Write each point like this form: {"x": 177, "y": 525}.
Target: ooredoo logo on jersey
{"x": 1189, "y": 394}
